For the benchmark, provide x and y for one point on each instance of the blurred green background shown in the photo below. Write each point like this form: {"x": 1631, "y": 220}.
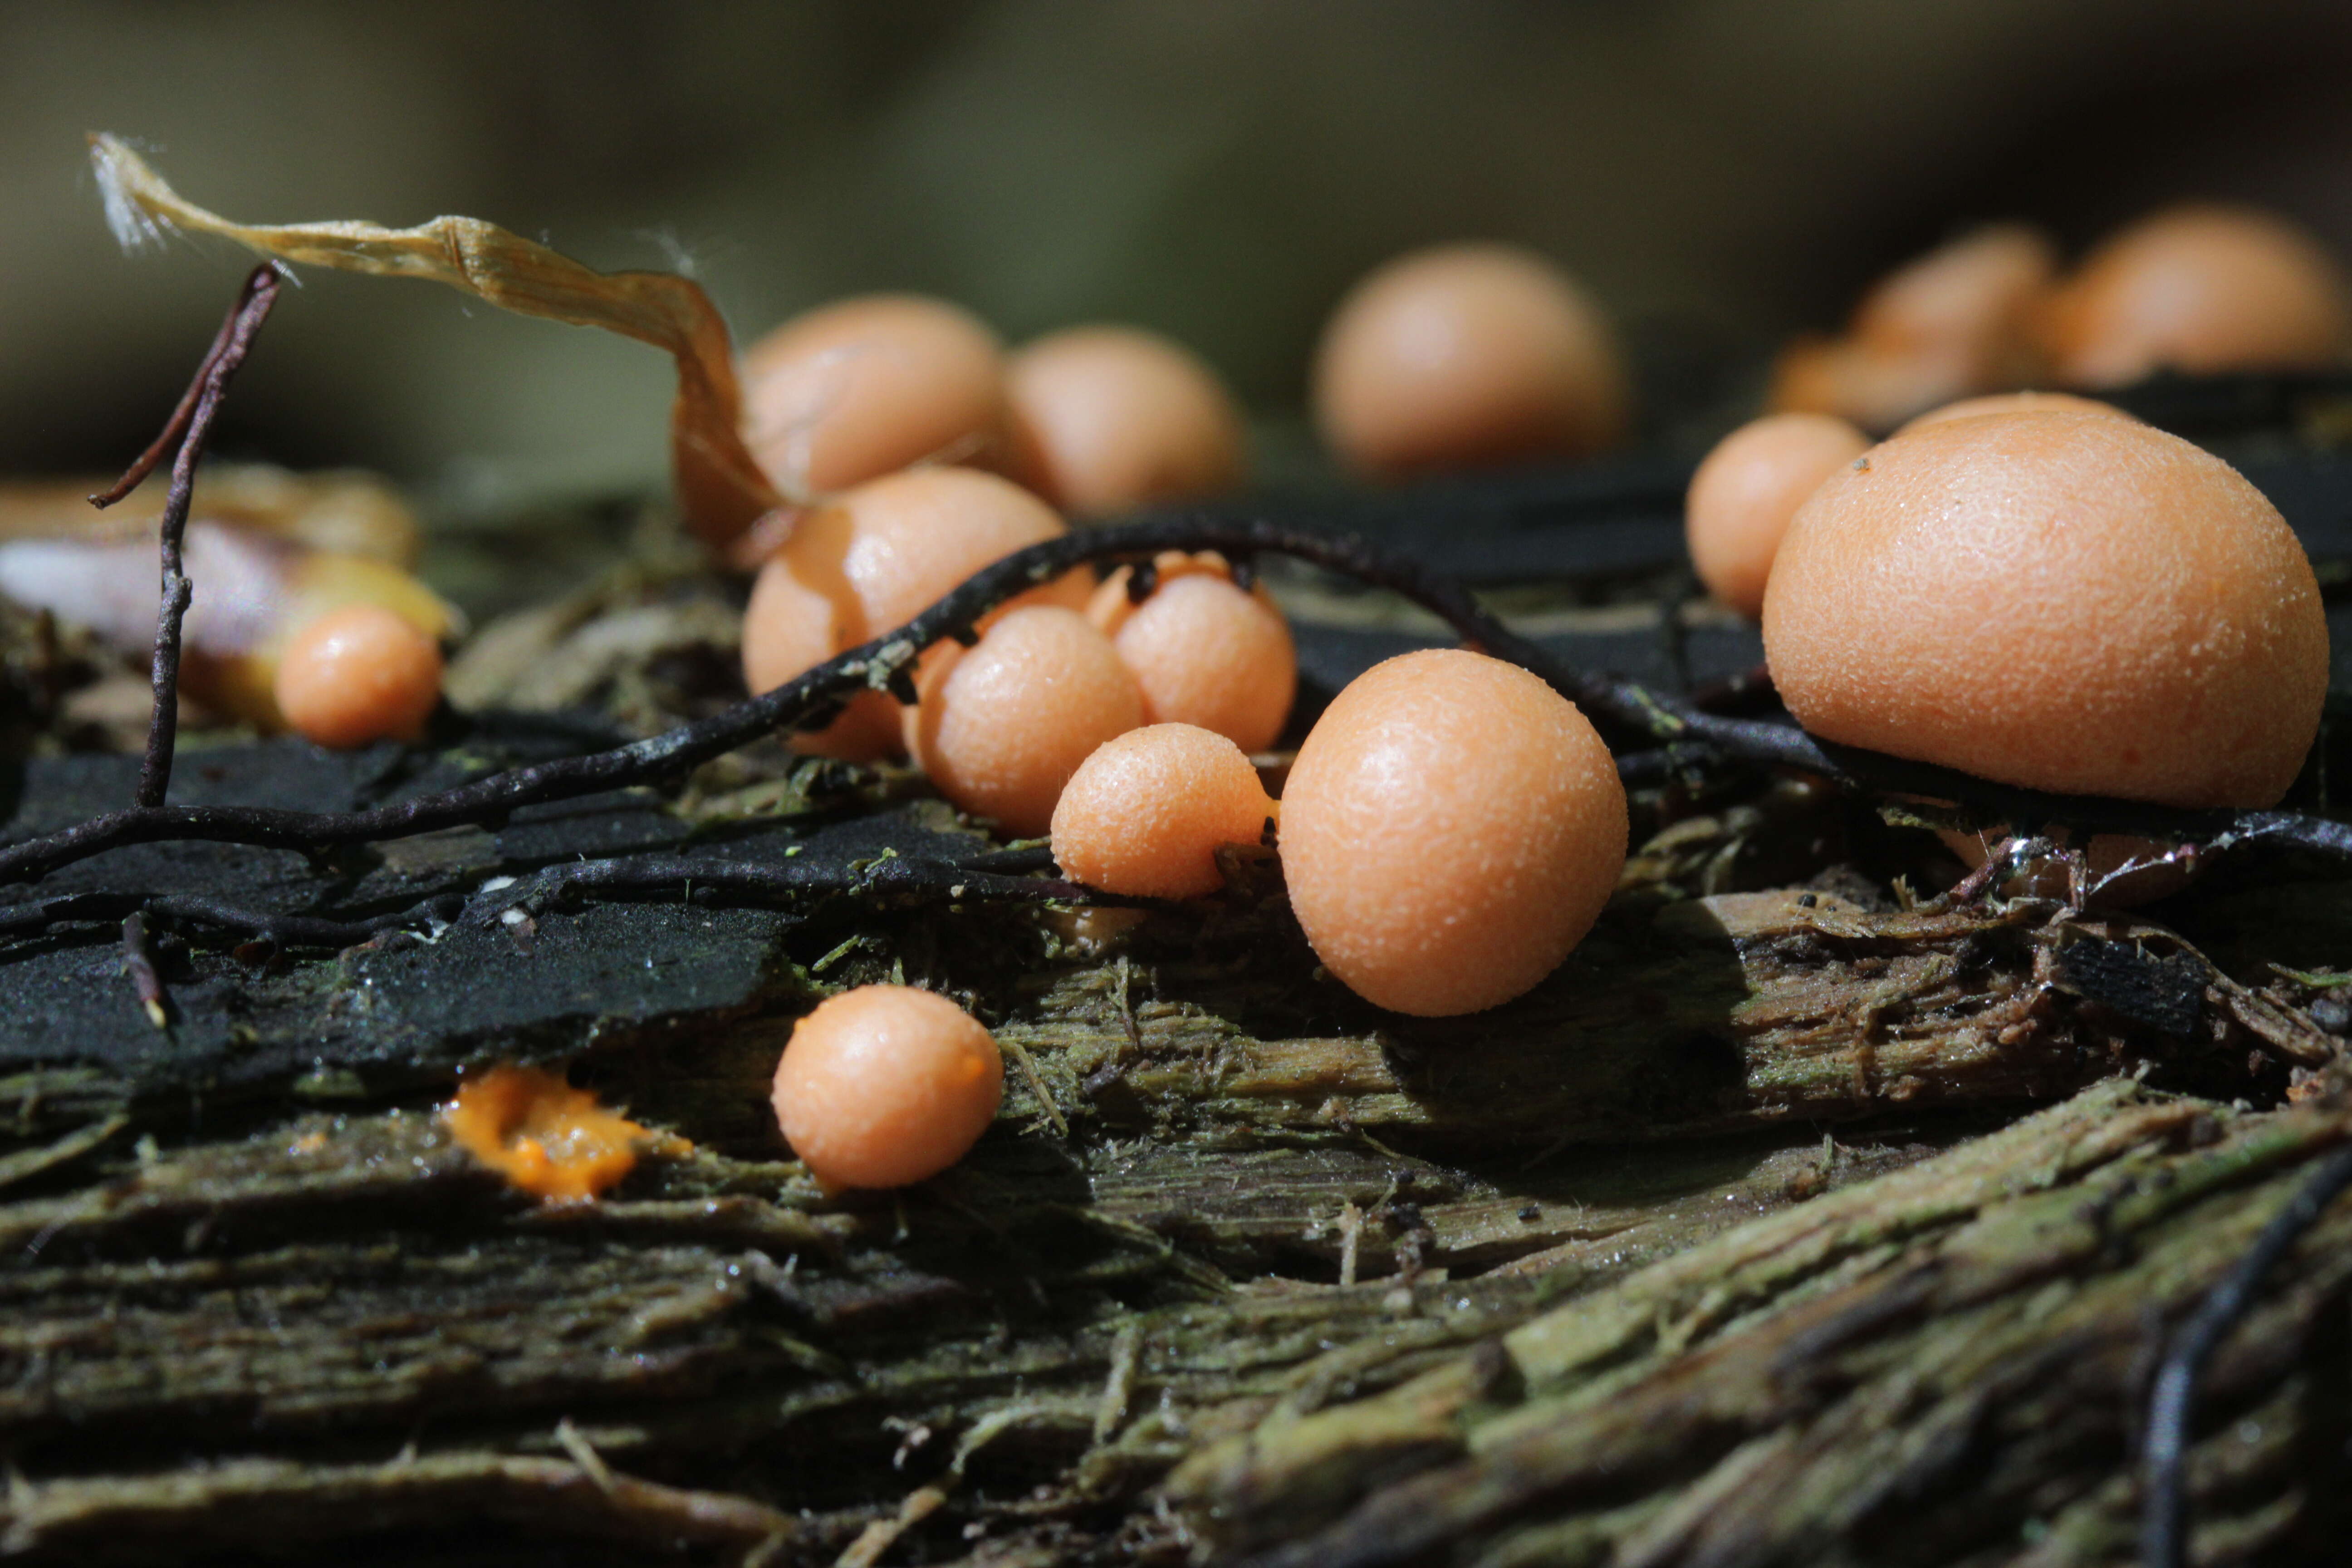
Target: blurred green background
{"x": 1219, "y": 169}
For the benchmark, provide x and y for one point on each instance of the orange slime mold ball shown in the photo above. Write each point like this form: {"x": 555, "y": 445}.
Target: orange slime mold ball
{"x": 1748, "y": 487}
{"x": 874, "y": 559}
{"x": 885, "y": 1085}
{"x": 358, "y": 674}
{"x": 1203, "y": 652}
{"x": 1467, "y": 356}
{"x": 2201, "y": 288}
{"x": 2062, "y": 601}
{"x": 1002, "y": 725}
{"x": 1450, "y": 829}
{"x": 1145, "y": 814}
{"x": 865, "y": 386}
{"x": 1117, "y": 418}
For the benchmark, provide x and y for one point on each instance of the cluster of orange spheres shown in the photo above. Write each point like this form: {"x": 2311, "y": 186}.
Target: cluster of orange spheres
{"x": 1001, "y": 726}
{"x": 1450, "y": 830}
{"x": 1096, "y": 420}
{"x": 922, "y": 452}
{"x": 2036, "y": 589}
{"x": 2199, "y": 288}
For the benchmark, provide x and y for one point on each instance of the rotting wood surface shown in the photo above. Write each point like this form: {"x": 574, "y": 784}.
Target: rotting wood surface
{"x": 1740, "y": 1241}
{"x": 1298, "y": 1281}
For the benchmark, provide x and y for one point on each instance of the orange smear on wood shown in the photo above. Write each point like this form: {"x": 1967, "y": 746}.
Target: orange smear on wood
{"x": 547, "y": 1137}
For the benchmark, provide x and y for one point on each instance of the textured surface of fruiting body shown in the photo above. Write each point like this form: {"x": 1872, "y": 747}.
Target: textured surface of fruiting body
{"x": 887, "y": 1085}
{"x": 873, "y": 559}
{"x": 358, "y": 674}
{"x": 1957, "y": 320}
{"x": 1744, "y": 494}
{"x": 865, "y": 386}
{"x": 1003, "y": 724}
{"x": 1145, "y": 814}
{"x": 1467, "y": 356}
{"x": 1202, "y": 651}
{"x": 2017, "y": 403}
{"x": 546, "y": 1137}
{"x": 1450, "y": 831}
{"x": 2200, "y": 289}
{"x": 2063, "y": 601}
{"x": 1115, "y": 418}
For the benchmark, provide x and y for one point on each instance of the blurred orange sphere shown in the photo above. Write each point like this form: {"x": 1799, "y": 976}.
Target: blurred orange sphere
{"x": 1116, "y": 418}
{"x": 1467, "y": 356}
{"x": 356, "y": 675}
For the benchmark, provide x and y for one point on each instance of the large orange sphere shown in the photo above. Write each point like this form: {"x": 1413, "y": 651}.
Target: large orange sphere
{"x": 2063, "y": 601}
{"x": 2014, "y": 403}
{"x": 1450, "y": 829}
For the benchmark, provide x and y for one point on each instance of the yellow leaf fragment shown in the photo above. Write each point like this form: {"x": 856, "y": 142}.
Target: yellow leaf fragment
{"x": 721, "y": 487}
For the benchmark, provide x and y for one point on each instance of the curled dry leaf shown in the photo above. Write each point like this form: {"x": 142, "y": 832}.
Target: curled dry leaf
{"x": 721, "y": 488}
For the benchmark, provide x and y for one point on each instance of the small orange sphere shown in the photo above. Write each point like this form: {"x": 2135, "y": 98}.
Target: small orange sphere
{"x": 1003, "y": 724}
{"x": 1467, "y": 356}
{"x": 1119, "y": 418}
{"x": 865, "y": 386}
{"x": 887, "y": 1085}
{"x": 356, "y": 675}
{"x": 1744, "y": 494}
{"x": 874, "y": 559}
{"x": 1144, "y": 815}
{"x": 2016, "y": 403}
{"x": 1450, "y": 831}
{"x": 1204, "y": 652}
{"x": 2200, "y": 289}
{"x": 2068, "y": 602}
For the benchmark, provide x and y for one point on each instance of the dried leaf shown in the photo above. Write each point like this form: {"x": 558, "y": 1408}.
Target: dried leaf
{"x": 721, "y": 488}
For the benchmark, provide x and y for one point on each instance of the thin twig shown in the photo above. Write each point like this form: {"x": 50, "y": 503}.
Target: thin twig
{"x": 177, "y": 424}
{"x": 1627, "y": 708}
{"x": 2164, "y": 1450}
{"x": 191, "y": 421}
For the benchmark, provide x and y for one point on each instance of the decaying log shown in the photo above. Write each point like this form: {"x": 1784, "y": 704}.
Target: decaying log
{"x": 1300, "y": 1279}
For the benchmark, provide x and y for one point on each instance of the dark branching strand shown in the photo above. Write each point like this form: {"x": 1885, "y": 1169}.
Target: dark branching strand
{"x": 191, "y": 425}
{"x": 1631, "y": 712}
{"x": 200, "y": 912}
{"x": 769, "y": 883}
{"x": 2164, "y": 1448}
{"x": 996, "y": 876}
